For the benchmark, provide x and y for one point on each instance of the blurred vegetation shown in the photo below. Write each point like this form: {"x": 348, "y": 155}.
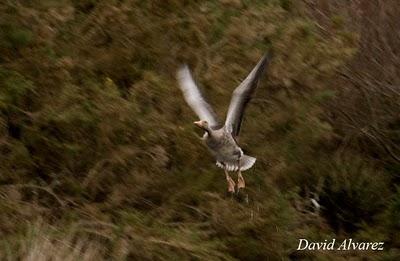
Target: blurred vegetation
{"x": 99, "y": 158}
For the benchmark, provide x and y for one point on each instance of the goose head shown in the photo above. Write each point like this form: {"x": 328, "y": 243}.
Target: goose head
{"x": 203, "y": 125}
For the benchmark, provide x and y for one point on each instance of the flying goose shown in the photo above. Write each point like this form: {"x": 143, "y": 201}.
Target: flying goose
{"x": 222, "y": 140}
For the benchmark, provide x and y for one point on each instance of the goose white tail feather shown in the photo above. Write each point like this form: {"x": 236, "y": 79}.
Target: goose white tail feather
{"x": 246, "y": 162}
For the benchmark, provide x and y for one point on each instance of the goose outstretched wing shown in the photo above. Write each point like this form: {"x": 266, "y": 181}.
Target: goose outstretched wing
{"x": 242, "y": 95}
{"x": 194, "y": 98}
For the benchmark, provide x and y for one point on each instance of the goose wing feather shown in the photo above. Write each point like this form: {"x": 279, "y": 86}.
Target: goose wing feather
{"x": 242, "y": 95}
{"x": 194, "y": 97}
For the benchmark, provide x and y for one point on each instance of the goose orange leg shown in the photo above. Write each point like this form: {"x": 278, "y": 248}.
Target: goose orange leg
{"x": 231, "y": 183}
{"x": 240, "y": 183}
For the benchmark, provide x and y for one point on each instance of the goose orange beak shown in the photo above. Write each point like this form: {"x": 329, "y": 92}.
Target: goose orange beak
{"x": 198, "y": 124}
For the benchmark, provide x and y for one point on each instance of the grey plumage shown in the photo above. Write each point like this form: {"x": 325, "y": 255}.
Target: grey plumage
{"x": 221, "y": 141}
{"x": 194, "y": 98}
{"x": 242, "y": 95}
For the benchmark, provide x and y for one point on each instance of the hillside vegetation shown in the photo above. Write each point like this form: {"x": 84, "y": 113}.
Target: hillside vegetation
{"x": 99, "y": 159}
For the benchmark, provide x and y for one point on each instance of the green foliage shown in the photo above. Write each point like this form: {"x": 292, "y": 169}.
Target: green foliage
{"x": 14, "y": 37}
{"x": 395, "y": 210}
{"x": 354, "y": 193}
{"x": 14, "y": 88}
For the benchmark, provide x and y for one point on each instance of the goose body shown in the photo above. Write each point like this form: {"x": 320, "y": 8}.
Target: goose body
{"x": 227, "y": 152}
{"x": 222, "y": 140}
